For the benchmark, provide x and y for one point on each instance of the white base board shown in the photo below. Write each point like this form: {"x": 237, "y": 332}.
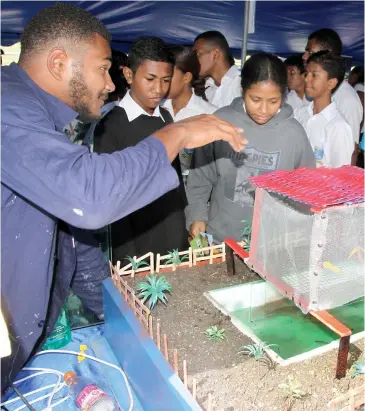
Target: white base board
{"x": 255, "y": 294}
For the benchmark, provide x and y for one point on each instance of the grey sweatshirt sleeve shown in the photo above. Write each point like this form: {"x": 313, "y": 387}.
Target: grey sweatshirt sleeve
{"x": 202, "y": 178}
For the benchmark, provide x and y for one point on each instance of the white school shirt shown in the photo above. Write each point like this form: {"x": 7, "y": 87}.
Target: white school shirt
{"x": 349, "y": 105}
{"x": 360, "y": 87}
{"x": 196, "y": 106}
{"x": 134, "y": 110}
{"x": 295, "y": 101}
{"x": 229, "y": 89}
{"x": 329, "y": 134}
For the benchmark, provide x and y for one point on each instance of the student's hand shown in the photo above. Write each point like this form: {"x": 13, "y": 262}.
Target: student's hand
{"x": 198, "y": 131}
{"x": 197, "y": 227}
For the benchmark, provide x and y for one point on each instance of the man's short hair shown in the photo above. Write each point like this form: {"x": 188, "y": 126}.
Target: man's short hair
{"x": 216, "y": 39}
{"x": 60, "y": 21}
{"x": 295, "y": 61}
{"x": 335, "y": 66}
{"x": 149, "y": 48}
{"x": 328, "y": 39}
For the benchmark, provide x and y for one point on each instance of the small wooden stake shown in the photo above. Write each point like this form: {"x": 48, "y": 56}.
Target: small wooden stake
{"x": 194, "y": 388}
{"x": 165, "y": 347}
{"x": 176, "y": 364}
{"x": 185, "y": 374}
{"x": 158, "y": 335}
{"x": 150, "y": 326}
{"x": 211, "y": 255}
{"x": 210, "y": 402}
{"x": 134, "y": 304}
{"x": 158, "y": 263}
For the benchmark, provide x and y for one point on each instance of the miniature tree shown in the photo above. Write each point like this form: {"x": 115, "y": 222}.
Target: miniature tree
{"x": 136, "y": 264}
{"x": 258, "y": 353}
{"x": 175, "y": 258}
{"x": 214, "y": 334}
{"x": 358, "y": 367}
{"x": 293, "y": 392}
{"x": 154, "y": 290}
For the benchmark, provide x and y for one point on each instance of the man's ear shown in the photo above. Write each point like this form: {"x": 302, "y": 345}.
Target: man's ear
{"x": 128, "y": 74}
{"x": 332, "y": 83}
{"x": 216, "y": 54}
{"x": 57, "y": 63}
{"x": 188, "y": 77}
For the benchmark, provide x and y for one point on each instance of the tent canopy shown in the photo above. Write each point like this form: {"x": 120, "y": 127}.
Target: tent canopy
{"x": 281, "y": 27}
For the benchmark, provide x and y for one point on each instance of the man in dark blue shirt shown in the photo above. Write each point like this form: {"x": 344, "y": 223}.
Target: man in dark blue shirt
{"x": 63, "y": 73}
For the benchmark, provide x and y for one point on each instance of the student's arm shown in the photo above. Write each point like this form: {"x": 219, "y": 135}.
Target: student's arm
{"x": 353, "y": 112}
{"x": 201, "y": 180}
{"x": 339, "y": 145}
{"x": 361, "y": 97}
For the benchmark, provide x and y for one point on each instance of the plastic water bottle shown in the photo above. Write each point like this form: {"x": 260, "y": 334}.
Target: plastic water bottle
{"x": 87, "y": 395}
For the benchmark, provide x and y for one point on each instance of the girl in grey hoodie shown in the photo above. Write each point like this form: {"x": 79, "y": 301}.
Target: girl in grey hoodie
{"x": 219, "y": 176}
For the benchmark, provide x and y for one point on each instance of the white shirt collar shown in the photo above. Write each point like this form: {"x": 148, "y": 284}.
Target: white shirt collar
{"x": 192, "y": 103}
{"x": 134, "y": 110}
{"x": 328, "y": 112}
{"x": 232, "y": 73}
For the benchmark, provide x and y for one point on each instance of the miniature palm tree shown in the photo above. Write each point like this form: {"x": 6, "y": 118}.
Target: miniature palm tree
{"x": 358, "y": 367}
{"x": 136, "y": 264}
{"x": 246, "y": 234}
{"x": 212, "y": 333}
{"x": 293, "y": 392}
{"x": 257, "y": 352}
{"x": 154, "y": 290}
{"x": 175, "y": 258}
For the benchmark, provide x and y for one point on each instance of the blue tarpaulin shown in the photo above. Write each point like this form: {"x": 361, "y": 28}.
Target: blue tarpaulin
{"x": 281, "y": 27}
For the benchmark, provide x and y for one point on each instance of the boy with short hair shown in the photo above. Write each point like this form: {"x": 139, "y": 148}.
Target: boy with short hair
{"x": 295, "y": 70}
{"x": 160, "y": 226}
{"x": 328, "y": 132}
{"x": 345, "y": 97}
{"x": 217, "y": 65}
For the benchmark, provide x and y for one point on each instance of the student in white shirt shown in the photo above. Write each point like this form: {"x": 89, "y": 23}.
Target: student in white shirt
{"x": 223, "y": 83}
{"x": 295, "y": 70}
{"x": 328, "y": 132}
{"x": 356, "y": 80}
{"x": 182, "y": 101}
{"x": 346, "y": 98}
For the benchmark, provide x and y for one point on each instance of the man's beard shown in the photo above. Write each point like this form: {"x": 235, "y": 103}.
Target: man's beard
{"x": 80, "y": 97}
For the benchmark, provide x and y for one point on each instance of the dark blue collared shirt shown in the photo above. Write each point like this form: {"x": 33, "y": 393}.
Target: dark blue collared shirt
{"x": 45, "y": 178}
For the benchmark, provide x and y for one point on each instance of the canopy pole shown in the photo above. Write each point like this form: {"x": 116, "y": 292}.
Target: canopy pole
{"x": 245, "y": 32}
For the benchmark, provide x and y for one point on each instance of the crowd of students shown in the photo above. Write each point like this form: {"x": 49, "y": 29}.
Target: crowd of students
{"x": 50, "y": 186}
{"x": 295, "y": 113}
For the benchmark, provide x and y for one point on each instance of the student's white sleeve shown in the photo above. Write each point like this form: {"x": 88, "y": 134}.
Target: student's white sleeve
{"x": 352, "y": 110}
{"x": 339, "y": 145}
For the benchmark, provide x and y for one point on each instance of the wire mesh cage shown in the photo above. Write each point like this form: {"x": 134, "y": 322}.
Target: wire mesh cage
{"x": 315, "y": 256}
